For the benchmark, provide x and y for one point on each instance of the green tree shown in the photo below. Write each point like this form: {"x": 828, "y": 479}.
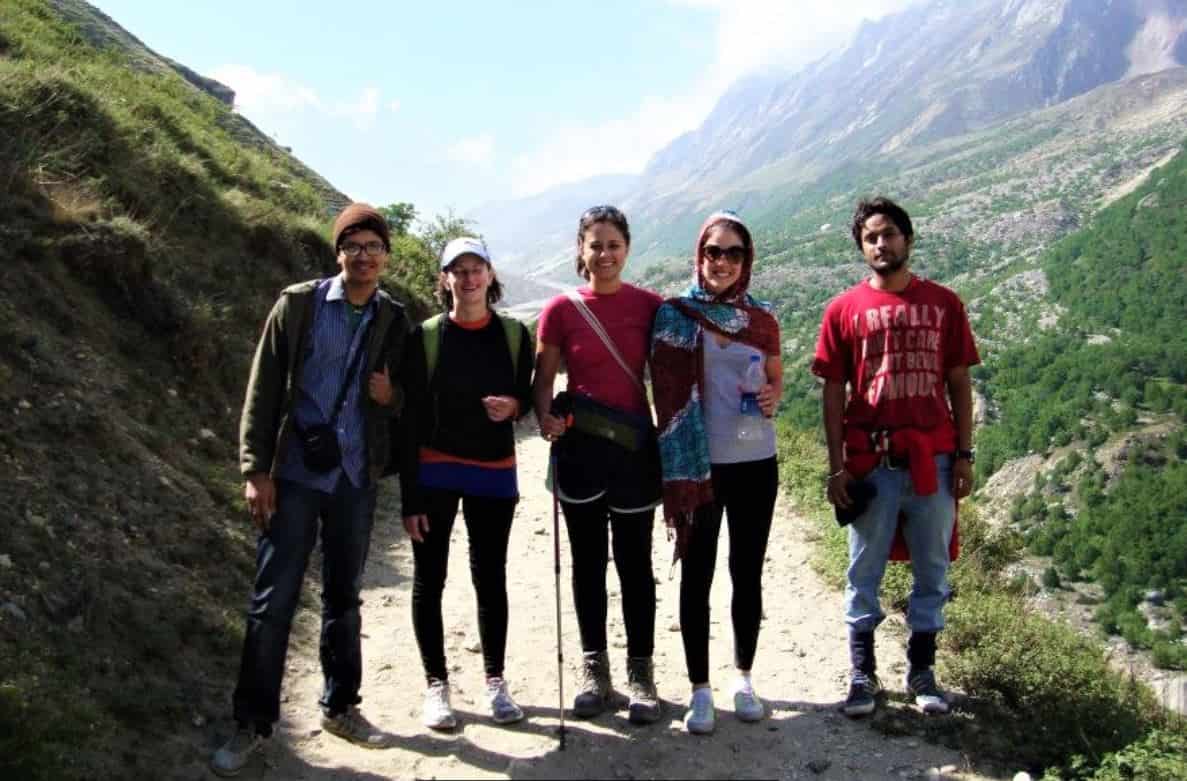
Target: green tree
{"x": 399, "y": 216}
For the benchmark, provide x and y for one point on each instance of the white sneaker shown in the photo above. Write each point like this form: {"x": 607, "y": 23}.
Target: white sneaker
{"x": 437, "y": 712}
{"x": 503, "y": 709}
{"x": 234, "y": 755}
{"x": 702, "y": 716}
{"x": 747, "y": 705}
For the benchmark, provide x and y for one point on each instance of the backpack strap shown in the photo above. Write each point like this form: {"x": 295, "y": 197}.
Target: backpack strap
{"x": 514, "y": 331}
{"x": 433, "y": 330}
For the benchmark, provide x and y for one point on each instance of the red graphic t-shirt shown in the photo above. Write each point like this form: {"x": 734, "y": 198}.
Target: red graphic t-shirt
{"x": 627, "y": 316}
{"x": 895, "y": 350}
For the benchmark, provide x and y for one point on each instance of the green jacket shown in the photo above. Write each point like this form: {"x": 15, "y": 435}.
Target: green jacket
{"x": 265, "y": 425}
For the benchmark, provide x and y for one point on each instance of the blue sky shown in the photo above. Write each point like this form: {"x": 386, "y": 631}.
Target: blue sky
{"x": 454, "y": 104}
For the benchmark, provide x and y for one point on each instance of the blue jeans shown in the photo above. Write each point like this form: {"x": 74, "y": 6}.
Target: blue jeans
{"x": 282, "y": 554}
{"x": 928, "y": 530}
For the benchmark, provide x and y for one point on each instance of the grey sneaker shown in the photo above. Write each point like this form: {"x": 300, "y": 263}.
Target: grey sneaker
{"x": 863, "y": 694}
{"x": 437, "y": 712}
{"x": 702, "y": 716}
{"x": 644, "y": 705}
{"x": 503, "y": 709}
{"x": 595, "y": 693}
{"x": 234, "y": 755}
{"x": 747, "y": 705}
{"x": 921, "y": 685}
{"x": 353, "y": 726}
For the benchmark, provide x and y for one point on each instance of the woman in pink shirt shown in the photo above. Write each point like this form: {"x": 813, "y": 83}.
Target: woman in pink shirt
{"x": 606, "y": 462}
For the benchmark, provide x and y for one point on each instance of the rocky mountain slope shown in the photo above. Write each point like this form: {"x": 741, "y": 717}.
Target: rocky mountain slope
{"x": 903, "y": 91}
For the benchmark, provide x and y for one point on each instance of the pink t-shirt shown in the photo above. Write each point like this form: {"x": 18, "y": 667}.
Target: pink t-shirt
{"x": 895, "y": 350}
{"x": 627, "y": 316}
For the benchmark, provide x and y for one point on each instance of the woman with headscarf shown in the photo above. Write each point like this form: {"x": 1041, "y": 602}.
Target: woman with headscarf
{"x": 718, "y": 455}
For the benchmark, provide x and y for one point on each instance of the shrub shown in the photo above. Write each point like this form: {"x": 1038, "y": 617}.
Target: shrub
{"x": 1042, "y": 672}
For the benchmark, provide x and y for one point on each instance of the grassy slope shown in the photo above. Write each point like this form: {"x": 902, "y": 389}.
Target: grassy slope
{"x": 142, "y": 244}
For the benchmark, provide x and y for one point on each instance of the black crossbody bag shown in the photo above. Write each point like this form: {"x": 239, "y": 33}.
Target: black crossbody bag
{"x": 319, "y": 443}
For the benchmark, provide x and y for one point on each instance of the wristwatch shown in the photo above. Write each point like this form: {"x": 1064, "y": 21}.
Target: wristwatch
{"x": 967, "y": 455}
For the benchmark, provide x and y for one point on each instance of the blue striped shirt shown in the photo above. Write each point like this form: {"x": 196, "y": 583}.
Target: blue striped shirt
{"x": 329, "y": 350}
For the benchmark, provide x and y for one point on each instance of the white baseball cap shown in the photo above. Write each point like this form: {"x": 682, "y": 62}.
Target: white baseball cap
{"x": 465, "y": 245}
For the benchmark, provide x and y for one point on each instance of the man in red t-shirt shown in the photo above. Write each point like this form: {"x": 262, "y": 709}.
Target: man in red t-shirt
{"x": 894, "y": 352}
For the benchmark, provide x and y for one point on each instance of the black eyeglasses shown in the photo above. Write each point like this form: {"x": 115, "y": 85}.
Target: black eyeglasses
{"x": 735, "y": 254}
{"x": 351, "y": 249}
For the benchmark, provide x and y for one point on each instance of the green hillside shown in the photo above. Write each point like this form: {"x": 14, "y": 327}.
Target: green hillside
{"x": 1119, "y": 356}
{"x": 143, "y": 238}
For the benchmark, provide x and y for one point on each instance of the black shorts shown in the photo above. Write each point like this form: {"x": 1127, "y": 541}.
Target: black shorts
{"x": 591, "y": 467}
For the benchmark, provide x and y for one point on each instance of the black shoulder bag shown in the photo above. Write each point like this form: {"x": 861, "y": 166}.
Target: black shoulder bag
{"x": 319, "y": 443}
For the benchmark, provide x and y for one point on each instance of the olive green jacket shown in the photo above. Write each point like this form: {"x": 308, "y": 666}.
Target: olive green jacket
{"x": 265, "y": 426}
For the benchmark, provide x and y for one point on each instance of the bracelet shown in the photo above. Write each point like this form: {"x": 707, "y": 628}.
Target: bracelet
{"x": 837, "y": 473}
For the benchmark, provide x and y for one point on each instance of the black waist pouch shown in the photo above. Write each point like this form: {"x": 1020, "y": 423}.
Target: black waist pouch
{"x": 632, "y": 432}
{"x": 319, "y": 448}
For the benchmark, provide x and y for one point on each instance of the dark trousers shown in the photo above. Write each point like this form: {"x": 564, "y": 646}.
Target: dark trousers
{"x": 589, "y": 526}
{"x": 745, "y": 492}
{"x": 488, "y": 525}
{"x": 282, "y": 554}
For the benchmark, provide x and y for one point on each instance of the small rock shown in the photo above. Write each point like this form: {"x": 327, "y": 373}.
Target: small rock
{"x": 540, "y": 531}
{"x": 25, "y": 405}
{"x": 946, "y": 769}
{"x": 165, "y": 481}
{"x": 818, "y": 766}
{"x": 474, "y": 647}
{"x": 912, "y": 744}
{"x": 313, "y": 733}
{"x": 76, "y": 625}
{"x": 207, "y": 434}
{"x": 675, "y": 627}
{"x": 44, "y": 566}
{"x": 1022, "y": 775}
{"x": 199, "y": 720}
{"x": 172, "y": 392}
{"x": 39, "y": 521}
{"x": 5, "y": 561}
{"x": 14, "y": 610}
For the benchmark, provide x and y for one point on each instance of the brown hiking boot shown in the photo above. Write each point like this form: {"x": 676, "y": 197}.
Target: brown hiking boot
{"x": 596, "y": 694}
{"x": 644, "y": 704}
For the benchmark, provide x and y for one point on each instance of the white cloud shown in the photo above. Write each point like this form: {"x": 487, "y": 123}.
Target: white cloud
{"x": 751, "y": 34}
{"x": 265, "y": 92}
{"x": 476, "y": 150}
{"x": 626, "y": 144}
{"x": 361, "y": 112}
{"x": 394, "y": 106}
{"x": 262, "y": 96}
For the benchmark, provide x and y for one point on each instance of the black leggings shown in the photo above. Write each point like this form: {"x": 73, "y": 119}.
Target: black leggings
{"x": 488, "y": 524}
{"x": 746, "y": 493}
{"x": 588, "y": 531}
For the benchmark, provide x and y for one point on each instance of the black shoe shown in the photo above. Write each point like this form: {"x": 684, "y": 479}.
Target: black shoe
{"x": 922, "y": 687}
{"x": 863, "y": 694}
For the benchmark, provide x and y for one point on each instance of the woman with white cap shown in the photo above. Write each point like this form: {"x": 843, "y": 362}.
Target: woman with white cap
{"x": 468, "y": 378}
{"x": 717, "y": 377}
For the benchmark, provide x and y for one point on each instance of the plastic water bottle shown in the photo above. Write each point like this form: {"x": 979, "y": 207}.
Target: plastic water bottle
{"x": 750, "y": 418}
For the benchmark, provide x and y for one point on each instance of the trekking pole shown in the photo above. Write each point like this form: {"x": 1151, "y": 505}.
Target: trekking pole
{"x": 556, "y": 560}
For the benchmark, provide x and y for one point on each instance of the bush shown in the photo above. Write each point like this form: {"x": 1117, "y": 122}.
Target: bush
{"x": 1160, "y": 756}
{"x": 1042, "y": 672}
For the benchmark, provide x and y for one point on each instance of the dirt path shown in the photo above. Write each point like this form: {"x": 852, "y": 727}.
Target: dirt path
{"x": 800, "y": 672}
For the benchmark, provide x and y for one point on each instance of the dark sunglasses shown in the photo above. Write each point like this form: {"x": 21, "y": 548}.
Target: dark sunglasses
{"x": 735, "y": 254}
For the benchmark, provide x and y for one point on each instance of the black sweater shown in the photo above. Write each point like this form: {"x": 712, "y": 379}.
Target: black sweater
{"x": 447, "y": 415}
